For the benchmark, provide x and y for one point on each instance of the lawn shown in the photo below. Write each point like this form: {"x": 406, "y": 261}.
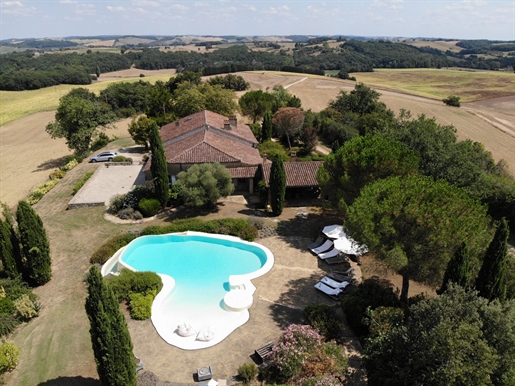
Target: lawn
{"x": 18, "y": 104}
{"x": 470, "y": 86}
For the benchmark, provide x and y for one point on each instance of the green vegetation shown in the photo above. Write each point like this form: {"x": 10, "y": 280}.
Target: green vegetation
{"x": 475, "y": 340}
{"x": 159, "y": 167}
{"x": 35, "y": 247}
{"x": 302, "y": 355}
{"x": 491, "y": 280}
{"x": 287, "y": 122}
{"x": 9, "y": 355}
{"x": 81, "y": 183}
{"x": 416, "y": 224}
{"x": 325, "y": 320}
{"x": 149, "y": 207}
{"x": 204, "y": 184}
{"x": 140, "y": 130}
{"x": 452, "y": 100}
{"x": 17, "y": 305}
{"x": 110, "y": 246}
{"x": 110, "y": 337}
{"x": 277, "y": 186}
{"x": 230, "y": 82}
{"x": 458, "y": 270}
{"x": 247, "y": 372}
{"x": 9, "y": 247}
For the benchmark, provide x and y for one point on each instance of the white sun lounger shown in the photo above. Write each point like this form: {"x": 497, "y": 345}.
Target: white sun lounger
{"x": 332, "y": 253}
{"x": 324, "y": 247}
{"x": 318, "y": 242}
{"x": 329, "y": 291}
{"x": 333, "y": 283}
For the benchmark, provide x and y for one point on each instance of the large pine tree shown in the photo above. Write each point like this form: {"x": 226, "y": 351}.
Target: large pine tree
{"x": 112, "y": 345}
{"x": 158, "y": 166}
{"x": 491, "y": 281}
{"x": 457, "y": 269}
{"x": 34, "y": 245}
{"x": 277, "y": 185}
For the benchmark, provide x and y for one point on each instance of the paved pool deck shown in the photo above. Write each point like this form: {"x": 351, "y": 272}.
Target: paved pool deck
{"x": 279, "y": 300}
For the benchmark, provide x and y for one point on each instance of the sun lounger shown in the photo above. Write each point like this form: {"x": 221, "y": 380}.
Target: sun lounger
{"x": 324, "y": 247}
{"x": 333, "y": 283}
{"x": 318, "y": 242}
{"x": 329, "y": 291}
{"x": 336, "y": 260}
{"x": 347, "y": 272}
{"x": 332, "y": 253}
{"x": 340, "y": 277}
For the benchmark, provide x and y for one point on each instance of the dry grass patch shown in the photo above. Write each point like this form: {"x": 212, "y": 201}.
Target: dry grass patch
{"x": 470, "y": 86}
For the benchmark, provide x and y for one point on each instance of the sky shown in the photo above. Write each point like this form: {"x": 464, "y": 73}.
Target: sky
{"x": 459, "y": 19}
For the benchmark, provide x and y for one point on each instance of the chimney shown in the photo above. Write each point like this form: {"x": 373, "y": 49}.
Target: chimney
{"x": 265, "y": 155}
{"x": 293, "y": 156}
{"x": 233, "y": 120}
{"x": 177, "y": 123}
{"x": 227, "y": 125}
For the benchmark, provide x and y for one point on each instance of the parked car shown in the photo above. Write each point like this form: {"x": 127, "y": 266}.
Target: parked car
{"x": 104, "y": 156}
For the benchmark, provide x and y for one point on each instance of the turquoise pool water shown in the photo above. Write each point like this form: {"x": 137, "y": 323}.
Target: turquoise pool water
{"x": 200, "y": 266}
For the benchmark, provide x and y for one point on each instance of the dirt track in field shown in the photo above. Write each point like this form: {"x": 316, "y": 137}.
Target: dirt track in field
{"x": 28, "y": 154}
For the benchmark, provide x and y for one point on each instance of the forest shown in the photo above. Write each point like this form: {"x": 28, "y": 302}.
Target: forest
{"x": 30, "y": 70}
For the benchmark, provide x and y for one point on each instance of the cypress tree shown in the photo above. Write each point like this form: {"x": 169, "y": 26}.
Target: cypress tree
{"x": 277, "y": 185}
{"x": 112, "y": 345}
{"x": 457, "y": 270}
{"x": 158, "y": 166}
{"x": 34, "y": 245}
{"x": 8, "y": 251}
{"x": 491, "y": 281}
{"x": 266, "y": 127}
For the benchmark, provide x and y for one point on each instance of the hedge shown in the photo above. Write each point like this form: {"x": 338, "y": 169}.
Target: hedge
{"x": 110, "y": 246}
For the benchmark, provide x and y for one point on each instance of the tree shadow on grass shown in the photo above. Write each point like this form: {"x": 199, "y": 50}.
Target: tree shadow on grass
{"x": 51, "y": 164}
{"x": 184, "y": 212}
{"x": 71, "y": 381}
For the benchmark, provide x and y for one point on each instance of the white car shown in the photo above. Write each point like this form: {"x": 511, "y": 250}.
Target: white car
{"x": 104, "y": 156}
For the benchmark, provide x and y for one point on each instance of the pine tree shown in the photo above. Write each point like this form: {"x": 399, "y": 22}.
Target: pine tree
{"x": 457, "y": 270}
{"x": 491, "y": 281}
{"x": 8, "y": 251}
{"x": 266, "y": 127}
{"x": 112, "y": 346}
{"x": 158, "y": 166}
{"x": 277, "y": 185}
{"x": 34, "y": 245}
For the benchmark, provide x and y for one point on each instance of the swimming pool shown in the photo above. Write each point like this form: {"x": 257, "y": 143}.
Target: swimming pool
{"x": 207, "y": 283}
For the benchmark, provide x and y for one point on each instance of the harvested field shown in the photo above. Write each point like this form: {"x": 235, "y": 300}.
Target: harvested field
{"x": 470, "y": 86}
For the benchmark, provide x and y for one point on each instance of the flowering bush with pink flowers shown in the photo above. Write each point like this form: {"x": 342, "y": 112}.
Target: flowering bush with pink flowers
{"x": 302, "y": 356}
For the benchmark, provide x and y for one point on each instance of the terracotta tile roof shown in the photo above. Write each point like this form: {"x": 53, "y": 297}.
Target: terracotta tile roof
{"x": 298, "y": 174}
{"x": 243, "y": 172}
{"x": 201, "y": 138}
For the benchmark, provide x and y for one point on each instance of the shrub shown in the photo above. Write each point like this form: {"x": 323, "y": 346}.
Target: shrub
{"x": 324, "y": 319}
{"x": 99, "y": 142}
{"x": 247, "y": 372}
{"x": 81, "y": 183}
{"x": 26, "y": 308}
{"x": 8, "y": 323}
{"x": 110, "y": 246}
{"x": 57, "y": 174}
{"x": 116, "y": 203}
{"x": 14, "y": 288}
{"x": 229, "y": 226}
{"x": 452, "y": 100}
{"x": 133, "y": 197}
{"x": 149, "y": 207}
{"x": 135, "y": 282}
{"x": 40, "y": 191}
{"x": 9, "y": 354}
{"x": 140, "y": 305}
{"x": 126, "y": 213}
{"x": 274, "y": 149}
{"x": 121, "y": 158}
{"x": 70, "y": 165}
{"x": 370, "y": 294}
{"x": 7, "y": 306}
{"x": 256, "y": 222}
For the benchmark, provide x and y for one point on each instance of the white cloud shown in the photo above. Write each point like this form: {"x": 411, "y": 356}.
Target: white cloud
{"x": 67, "y": 2}
{"x": 249, "y": 7}
{"x": 86, "y": 9}
{"x": 201, "y": 5}
{"x": 179, "y": 7}
{"x": 145, "y": 3}
{"x": 17, "y": 8}
{"x": 116, "y": 9}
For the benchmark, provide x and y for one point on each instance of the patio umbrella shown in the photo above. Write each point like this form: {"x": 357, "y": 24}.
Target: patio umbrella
{"x": 344, "y": 244}
{"x": 334, "y": 231}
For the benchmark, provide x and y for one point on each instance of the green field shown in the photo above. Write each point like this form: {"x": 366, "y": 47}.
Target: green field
{"x": 470, "y": 86}
{"x": 18, "y": 104}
